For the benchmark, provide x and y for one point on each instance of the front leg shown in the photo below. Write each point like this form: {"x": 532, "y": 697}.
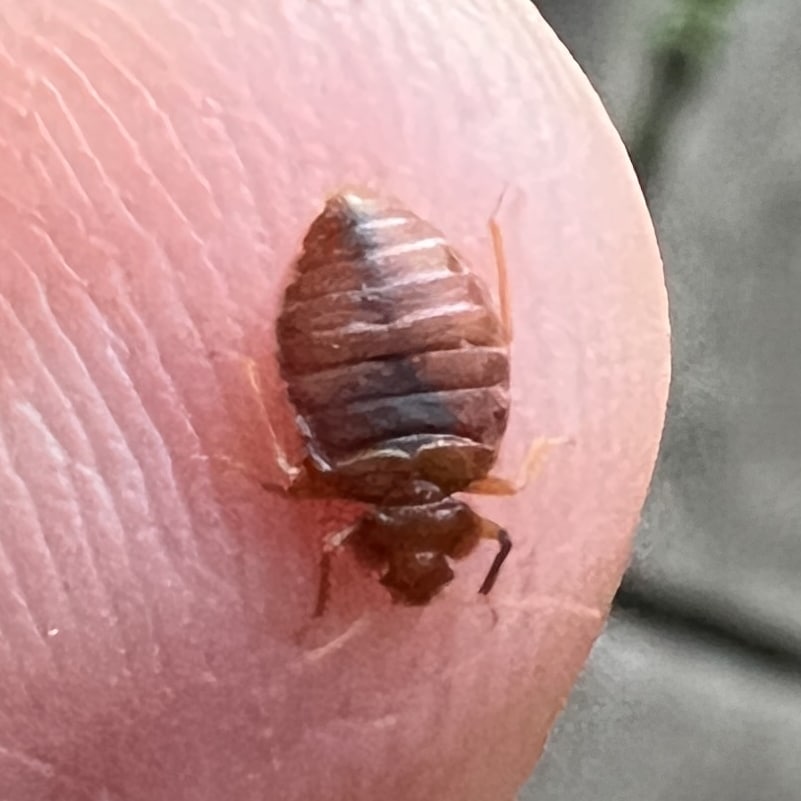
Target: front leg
{"x": 504, "y": 547}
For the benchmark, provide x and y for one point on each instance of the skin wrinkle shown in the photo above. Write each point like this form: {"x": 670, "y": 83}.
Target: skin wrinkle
{"x": 46, "y": 551}
{"x": 184, "y": 24}
{"x": 171, "y": 134}
{"x": 9, "y": 573}
{"x": 176, "y": 140}
{"x": 72, "y": 177}
{"x": 35, "y": 627}
{"x": 140, "y": 162}
{"x": 174, "y": 567}
{"x": 75, "y": 184}
{"x": 130, "y": 26}
{"x": 244, "y": 184}
{"x": 116, "y": 504}
{"x": 85, "y": 538}
{"x": 36, "y": 765}
{"x": 176, "y": 485}
{"x": 133, "y": 316}
{"x": 284, "y": 177}
{"x": 12, "y": 461}
{"x": 247, "y": 171}
{"x": 222, "y": 22}
{"x": 173, "y": 563}
{"x": 43, "y": 235}
{"x": 223, "y": 284}
{"x": 119, "y": 127}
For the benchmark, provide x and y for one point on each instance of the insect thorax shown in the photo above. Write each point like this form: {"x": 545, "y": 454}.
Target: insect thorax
{"x": 393, "y": 473}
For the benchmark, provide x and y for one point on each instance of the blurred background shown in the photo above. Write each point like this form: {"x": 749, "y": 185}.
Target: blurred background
{"x": 694, "y": 691}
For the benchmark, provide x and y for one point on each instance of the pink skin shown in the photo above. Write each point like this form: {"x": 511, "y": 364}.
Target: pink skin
{"x": 159, "y": 163}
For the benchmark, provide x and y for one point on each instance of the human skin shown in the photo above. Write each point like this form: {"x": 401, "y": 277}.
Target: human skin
{"x": 159, "y": 164}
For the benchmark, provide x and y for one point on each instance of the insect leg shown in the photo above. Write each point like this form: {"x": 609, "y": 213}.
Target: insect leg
{"x": 496, "y": 485}
{"x": 503, "y": 273}
{"x": 333, "y": 542}
{"x": 504, "y": 547}
{"x": 292, "y": 473}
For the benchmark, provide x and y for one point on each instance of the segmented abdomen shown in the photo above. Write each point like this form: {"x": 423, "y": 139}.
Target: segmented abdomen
{"x": 385, "y": 334}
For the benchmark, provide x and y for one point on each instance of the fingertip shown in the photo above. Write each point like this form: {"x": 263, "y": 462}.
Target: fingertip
{"x": 202, "y": 205}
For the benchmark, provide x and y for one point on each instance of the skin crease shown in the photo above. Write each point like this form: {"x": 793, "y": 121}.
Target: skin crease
{"x": 159, "y": 165}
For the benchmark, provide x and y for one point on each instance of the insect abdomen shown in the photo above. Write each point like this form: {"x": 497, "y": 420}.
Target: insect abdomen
{"x": 385, "y": 334}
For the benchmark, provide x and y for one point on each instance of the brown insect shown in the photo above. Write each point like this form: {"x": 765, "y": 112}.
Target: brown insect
{"x": 397, "y": 365}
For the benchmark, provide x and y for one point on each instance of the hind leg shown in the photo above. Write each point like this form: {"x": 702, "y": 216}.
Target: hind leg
{"x": 501, "y": 266}
{"x": 293, "y": 473}
{"x": 296, "y": 477}
{"x": 333, "y": 542}
{"x": 532, "y": 464}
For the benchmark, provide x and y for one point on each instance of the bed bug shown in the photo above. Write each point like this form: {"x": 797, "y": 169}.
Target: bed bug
{"x": 397, "y": 365}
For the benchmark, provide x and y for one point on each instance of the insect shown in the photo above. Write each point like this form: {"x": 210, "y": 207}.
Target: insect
{"x": 397, "y": 365}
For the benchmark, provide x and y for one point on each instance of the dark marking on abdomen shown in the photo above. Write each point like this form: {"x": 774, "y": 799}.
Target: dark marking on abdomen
{"x": 385, "y": 334}
{"x": 404, "y": 375}
{"x": 478, "y": 414}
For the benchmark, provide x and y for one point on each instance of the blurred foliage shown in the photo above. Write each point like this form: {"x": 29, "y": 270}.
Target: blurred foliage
{"x": 684, "y": 43}
{"x": 694, "y": 28}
